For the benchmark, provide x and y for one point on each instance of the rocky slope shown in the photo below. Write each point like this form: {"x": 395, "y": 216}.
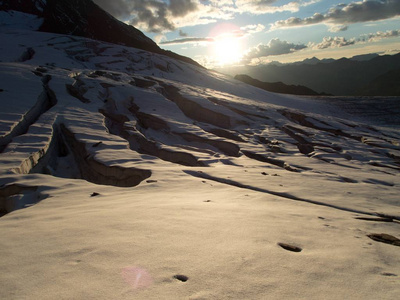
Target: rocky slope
{"x": 85, "y": 18}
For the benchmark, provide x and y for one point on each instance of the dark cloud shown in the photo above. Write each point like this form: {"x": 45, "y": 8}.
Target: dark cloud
{"x": 159, "y": 16}
{"x": 182, "y": 33}
{"x": 117, "y": 8}
{"x": 367, "y": 10}
{"x": 355, "y": 12}
{"x": 151, "y": 15}
{"x": 181, "y": 8}
{"x": 188, "y": 40}
{"x": 274, "y": 47}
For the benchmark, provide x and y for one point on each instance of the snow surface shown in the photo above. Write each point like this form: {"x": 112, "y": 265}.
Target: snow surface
{"x": 18, "y": 20}
{"x": 129, "y": 175}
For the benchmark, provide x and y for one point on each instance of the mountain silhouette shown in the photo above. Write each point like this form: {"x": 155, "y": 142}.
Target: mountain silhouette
{"x": 277, "y": 87}
{"x": 342, "y": 77}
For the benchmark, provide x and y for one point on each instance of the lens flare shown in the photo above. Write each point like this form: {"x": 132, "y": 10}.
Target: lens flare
{"x": 227, "y": 47}
{"x": 136, "y": 277}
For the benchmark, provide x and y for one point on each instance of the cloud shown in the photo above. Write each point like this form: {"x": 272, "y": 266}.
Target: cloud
{"x": 159, "y": 37}
{"x": 117, "y": 8}
{"x": 274, "y": 47}
{"x": 333, "y": 42}
{"x": 182, "y": 33}
{"x": 373, "y": 37}
{"x": 150, "y": 15}
{"x": 337, "y": 42}
{"x": 188, "y": 41}
{"x": 229, "y": 32}
{"x": 259, "y": 7}
{"x": 337, "y": 28}
{"x": 162, "y": 16}
{"x": 254, "y": 28}
{"x": 181, "y": 8}
{"x": 343, "y": 14}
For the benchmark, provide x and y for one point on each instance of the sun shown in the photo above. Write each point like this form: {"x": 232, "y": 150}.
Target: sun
{"x": 227, "y": 49}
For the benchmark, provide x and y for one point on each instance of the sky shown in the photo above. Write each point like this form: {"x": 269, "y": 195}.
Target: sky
{"x": 250, "y": 32}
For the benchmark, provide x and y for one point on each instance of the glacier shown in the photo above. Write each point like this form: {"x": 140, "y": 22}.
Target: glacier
{"x": 126, "y": 174}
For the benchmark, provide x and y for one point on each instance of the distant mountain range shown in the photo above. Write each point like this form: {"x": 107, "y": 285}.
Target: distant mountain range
{"x": 85, "y": 18}
{"x": 314, "y": 60}
{"x": 277, "y": 87}
{"x": 363, "y": 75}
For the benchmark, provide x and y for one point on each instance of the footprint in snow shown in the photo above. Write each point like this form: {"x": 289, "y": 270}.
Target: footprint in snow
{"x": 182, "y": 278}
{"x": 290, "y": 247}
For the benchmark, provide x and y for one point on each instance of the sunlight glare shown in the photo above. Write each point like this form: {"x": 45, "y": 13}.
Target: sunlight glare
{"x": 227, "y": 49}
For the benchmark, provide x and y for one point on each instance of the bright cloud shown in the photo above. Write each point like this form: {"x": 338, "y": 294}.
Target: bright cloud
{"x": 373, "y": 37}
{"x": 254, "y": 28}
{"x": 230, "y": 33}
{"x": 274, "y": 47}
{"x": 278, "y": 47}
{"x": 337, "y": 42}
{"x": 334, "y": 42}
{"x": 265, "y": 6}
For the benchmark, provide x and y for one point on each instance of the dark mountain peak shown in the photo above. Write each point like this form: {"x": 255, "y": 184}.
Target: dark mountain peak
{"x": 364, "y": 57}
{"x": 343, "y": 59}
{"x": 275, "y": 63}
{"x": 311, "y": 61}
{"x": 85, "y": 18}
